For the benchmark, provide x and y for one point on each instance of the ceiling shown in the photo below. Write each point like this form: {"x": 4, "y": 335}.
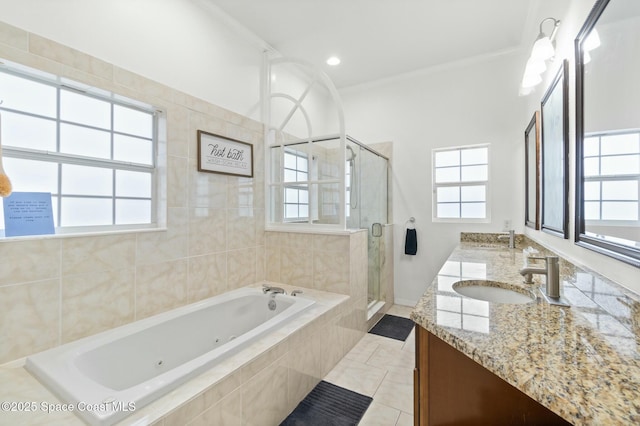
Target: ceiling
{"x": 378, "y": 39}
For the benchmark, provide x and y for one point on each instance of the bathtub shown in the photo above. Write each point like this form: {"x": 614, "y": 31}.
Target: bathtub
{"x": 105, "y": 377}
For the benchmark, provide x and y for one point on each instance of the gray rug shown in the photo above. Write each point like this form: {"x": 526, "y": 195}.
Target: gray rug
{"x": 393, "y": 327}
{"x": 329, "y": 405}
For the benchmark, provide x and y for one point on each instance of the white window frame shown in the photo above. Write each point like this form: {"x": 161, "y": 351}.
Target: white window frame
{"x": 64, "y": 158}
{"x": 461, "y": 184}
{"x": 612, "y": 178}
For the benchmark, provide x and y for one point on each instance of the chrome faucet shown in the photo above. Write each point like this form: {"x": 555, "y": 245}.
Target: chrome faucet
{"x": 552, "y": 273}
{"x": 512, "y": 238}
{"x": 272, "y": 290}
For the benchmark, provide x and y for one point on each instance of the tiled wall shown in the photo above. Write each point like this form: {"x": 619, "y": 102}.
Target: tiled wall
{"x": 335, "y": 263}
{"x": 55, "y": 290}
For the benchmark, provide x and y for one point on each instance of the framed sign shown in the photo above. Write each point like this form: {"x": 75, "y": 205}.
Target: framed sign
{"x": 219, "y": 154}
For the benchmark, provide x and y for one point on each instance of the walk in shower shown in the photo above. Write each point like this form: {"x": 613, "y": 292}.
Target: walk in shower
{"x": 317, "y": 183}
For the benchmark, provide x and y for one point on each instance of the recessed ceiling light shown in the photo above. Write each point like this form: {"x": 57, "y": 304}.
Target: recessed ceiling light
{"x": 333, "y": 61}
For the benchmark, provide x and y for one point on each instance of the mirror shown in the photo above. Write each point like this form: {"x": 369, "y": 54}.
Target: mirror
{"x": 555, "y": 155}
{"x": 532, "y": 172}
{"x": 608, "y": 130}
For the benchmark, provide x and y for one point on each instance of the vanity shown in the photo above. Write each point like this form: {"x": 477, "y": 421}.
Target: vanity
{"x": 483, "y": 362}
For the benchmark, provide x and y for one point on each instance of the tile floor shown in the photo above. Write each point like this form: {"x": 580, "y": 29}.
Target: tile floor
{"x": 381, "y": 368}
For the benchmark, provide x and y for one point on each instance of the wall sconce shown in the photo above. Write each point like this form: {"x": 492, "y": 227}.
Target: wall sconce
{"x": 543, "y": 50}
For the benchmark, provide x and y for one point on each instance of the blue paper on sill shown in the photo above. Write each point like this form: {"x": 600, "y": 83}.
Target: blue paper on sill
{"x": 28, "y": 213}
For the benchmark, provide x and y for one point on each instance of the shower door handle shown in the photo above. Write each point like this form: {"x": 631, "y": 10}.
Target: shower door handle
{"x": 376, "y": 229}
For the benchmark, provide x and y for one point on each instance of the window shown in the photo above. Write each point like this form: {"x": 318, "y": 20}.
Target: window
{"x": 461, "y": 183}
{"x": 296, "y": 195}
{"x": 611, "y": 177}
{"x": 93, "y": 153}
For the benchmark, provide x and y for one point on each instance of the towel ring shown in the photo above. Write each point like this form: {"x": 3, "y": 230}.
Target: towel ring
{"x": 412, "y": 222}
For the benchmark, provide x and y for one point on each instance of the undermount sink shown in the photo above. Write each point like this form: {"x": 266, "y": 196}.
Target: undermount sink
{"x": 494, "y": 291}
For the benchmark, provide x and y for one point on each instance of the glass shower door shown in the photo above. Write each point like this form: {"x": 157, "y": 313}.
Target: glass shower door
{"x": 371, "y": 188}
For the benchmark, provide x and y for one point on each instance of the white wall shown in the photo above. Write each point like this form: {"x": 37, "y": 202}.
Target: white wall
{"x": 460, "y": 104}
{"x": 180, "y": 43}
{"x": 467, "y": 103}
{"x": 620, "y": 272}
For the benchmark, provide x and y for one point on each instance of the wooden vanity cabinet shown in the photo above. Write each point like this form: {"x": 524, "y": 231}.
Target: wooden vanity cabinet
{"x": 452, "y": 389}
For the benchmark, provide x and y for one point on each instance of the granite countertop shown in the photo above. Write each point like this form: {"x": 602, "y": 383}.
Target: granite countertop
{"x": 581, "y": 362}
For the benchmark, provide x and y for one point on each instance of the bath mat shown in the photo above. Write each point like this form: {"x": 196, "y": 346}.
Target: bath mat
{"x": 329, "y": 405}
{"x": 394, "y": 327}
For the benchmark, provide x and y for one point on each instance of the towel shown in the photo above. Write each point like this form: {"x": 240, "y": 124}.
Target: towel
{"x": 411, "y": 242}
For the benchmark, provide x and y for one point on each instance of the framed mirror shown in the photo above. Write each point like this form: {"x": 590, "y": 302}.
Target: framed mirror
{"x": 532, "y": 172}
{"x": 608, "y": 131}
{"x": 555, "y": 155}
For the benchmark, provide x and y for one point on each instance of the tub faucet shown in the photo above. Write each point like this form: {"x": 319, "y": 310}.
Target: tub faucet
{"x": 552, "y": 273}
{"x": 511, "y": 236}
{"x": 273, "y": 290}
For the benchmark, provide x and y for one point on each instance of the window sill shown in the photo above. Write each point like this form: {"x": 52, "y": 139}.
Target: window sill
{"x": 4, "y": 239}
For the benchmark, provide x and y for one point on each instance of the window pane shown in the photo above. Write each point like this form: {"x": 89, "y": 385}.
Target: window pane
{"x": 84, "y": 110}
{"x": 86, "y": 211}
{"x": 132, "y": 121}
{"x": 132, "y": 150}
{"x": 32, "y": 175}
{"x": 290, "y": 195}
{"x": 474, "y": 173}
{"x": 289, "y": 175}
{"x": 291, "y": 211}
{"x": 448, "y": 194}
{"x": 620, "y": 144}
{"x": 447, "y": 158}
{"x": 620, "y": 190}
{"x": 473, "y": 210}
{"x": 448, "y": 174}
{"x": 303, "y": 164}
{"x": 474, "y": 193}
{"x": 592, "y": 166}
{"x": 449, "y": 210}
{"x": 133, "y": 184}
{"x": 621, "y": 165}
{"x": 289, "y": 161}
{"x": 27, "y": 95}
{"x": 592, "y": 190}
{"x": 619, "y": 211}
{"x": 24, "y": 131}
{"x": 129, "y": 212}
{"x": 475, "y": 156}
{"x": 79, "y": 140}
{"x": 592, "y": 210}
{"x": 300, "y": 176}
{"x": 304, "y": 210}
{"x": 591, "y": 147}
{"x": 303, "y": 195}
{"x": 84, "y": 180}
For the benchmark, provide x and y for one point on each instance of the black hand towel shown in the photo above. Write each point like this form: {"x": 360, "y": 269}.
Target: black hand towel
{"x": 411, "y": 242}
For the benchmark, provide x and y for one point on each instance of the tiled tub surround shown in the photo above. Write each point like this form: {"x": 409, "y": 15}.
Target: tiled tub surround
{"x": 582, "y": 362}
{"x": 139, "y": 362}
{"x": 259, "y": 385}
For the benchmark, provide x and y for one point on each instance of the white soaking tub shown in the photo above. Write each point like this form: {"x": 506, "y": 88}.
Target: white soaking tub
{"x": 103, "y": 378}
